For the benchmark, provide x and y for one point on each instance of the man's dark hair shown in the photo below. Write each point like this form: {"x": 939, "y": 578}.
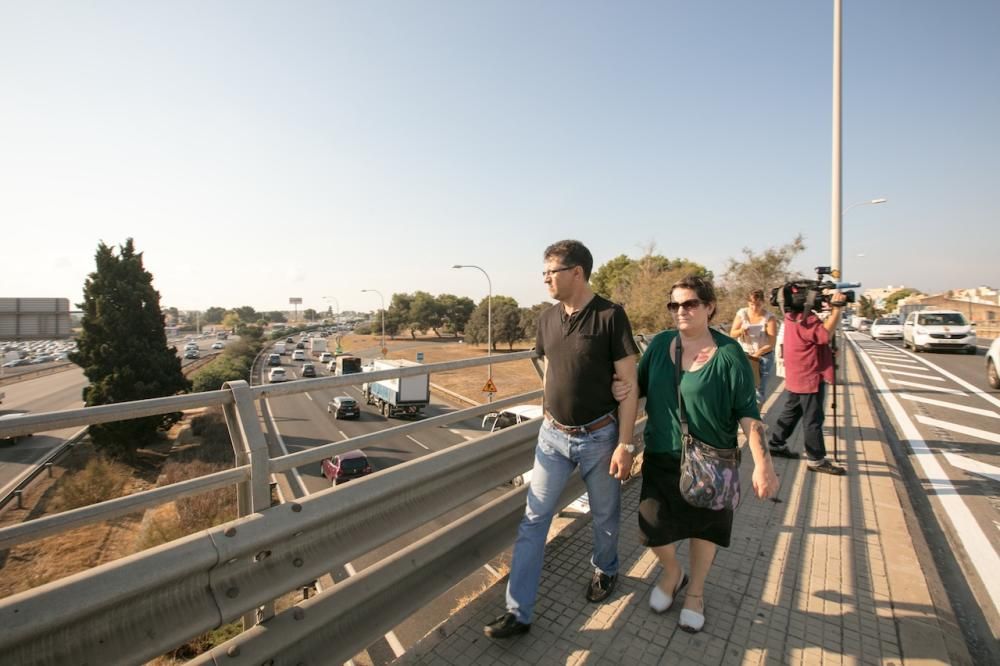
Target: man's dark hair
{"x": 571, "y": 253}
{"x": 699, "y": 285}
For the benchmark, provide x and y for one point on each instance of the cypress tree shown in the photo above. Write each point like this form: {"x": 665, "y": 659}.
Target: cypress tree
{"x": 123, "y": 348}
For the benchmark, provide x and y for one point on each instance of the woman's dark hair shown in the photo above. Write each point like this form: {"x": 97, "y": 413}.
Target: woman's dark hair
{"x": 701, "y": 286}
{"x": 571, "y": 253}
{"x": 757, "y": 295}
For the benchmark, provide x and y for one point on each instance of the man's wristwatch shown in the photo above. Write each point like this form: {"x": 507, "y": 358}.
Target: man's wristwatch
{"x": 631, "y": 448}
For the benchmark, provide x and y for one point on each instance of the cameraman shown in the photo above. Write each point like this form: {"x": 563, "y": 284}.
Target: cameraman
{"x": 808, "y": 367}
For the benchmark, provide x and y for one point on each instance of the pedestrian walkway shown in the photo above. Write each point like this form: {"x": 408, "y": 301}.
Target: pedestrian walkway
{"x": 827, "y": 574}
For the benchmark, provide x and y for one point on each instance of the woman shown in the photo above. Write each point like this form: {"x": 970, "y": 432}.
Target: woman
{"x": 757, "y": 332}
{"x": 718, "y": 391}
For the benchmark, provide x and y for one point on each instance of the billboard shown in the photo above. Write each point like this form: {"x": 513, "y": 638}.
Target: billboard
{"x": 34, "y": 318}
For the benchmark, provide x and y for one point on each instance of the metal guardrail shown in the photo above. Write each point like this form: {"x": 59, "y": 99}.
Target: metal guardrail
{"x": 31, "y": 474}
{"x": 13, "y": 378}
{"x": 181, "y": 589}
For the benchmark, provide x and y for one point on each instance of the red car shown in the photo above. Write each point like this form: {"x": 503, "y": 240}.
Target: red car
{"x": 346, "y": 466}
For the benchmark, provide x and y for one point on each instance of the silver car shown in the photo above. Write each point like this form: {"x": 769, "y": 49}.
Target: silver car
{"x": 993, "y": 364}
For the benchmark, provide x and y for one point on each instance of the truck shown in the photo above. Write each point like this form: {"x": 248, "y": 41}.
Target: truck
{"x": 347, "y": 365}
{"x": 317, "y": 346}
{"x": 399, "y": 396}
{"x": 280, "y": 348}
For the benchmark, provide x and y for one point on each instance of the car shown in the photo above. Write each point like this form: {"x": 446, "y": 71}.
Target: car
{"x": 192, "y": 353}
{"x": 886, "y": 328}
{"x": 510, "y": 416}
{"x": 289, "y": 340}
{"x": 44, "y": 358}
{"x": 864, "y": 325}
{"x": 993, "y": 364}
{"x": 218, "y": 345}
{"x": 298, "y": 355}
{"x": 925, "y": 330}
{"x": 274, "y": 359}
{"x": 277, "y": 375}
{"x": 351, "y": 465}
{"x": 9, "y": 441}
{"x": 300, "y": 345}
{"x": 16, "y": 362}
{"x": 325, "y": 357}
{"x": 343, "y": 407}
{"x": 308, "y": 370}
{"x": 190, "y": 345}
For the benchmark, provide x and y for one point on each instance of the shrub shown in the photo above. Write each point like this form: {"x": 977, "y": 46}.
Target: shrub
{"x": 99, "y": 481}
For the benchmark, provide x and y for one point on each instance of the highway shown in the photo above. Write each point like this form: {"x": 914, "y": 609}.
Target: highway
{"x": 945, "y": 422}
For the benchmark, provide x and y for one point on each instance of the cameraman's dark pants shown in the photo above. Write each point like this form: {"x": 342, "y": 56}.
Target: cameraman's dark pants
{"x": 809, "y": 408}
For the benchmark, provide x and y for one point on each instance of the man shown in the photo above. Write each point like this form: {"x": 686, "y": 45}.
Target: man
{"x": 808, "y": 368}
{"x": 585, "y": 340}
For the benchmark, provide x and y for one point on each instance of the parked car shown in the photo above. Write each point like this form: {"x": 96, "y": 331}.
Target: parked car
{"x": 274, "y": 359}
{"x": 343, "y": 407}
{"x": 325, "y": 357}
{"x": 192, "y": 353}
{"x": 351, "y": 465}
{"x": 298, "y": 355}
{"x": 925, "y": 330}
{"x": 218, "y": 345}
{"x": 308, "y": 370}
{"x": 993, "y": 364}
{"x": 886, "y": 328}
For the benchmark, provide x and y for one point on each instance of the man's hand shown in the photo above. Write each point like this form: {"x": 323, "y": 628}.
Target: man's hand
{"x": 620, "y": 388}
{"x": 621, "y": 463}
{"x": 765, "y": 481}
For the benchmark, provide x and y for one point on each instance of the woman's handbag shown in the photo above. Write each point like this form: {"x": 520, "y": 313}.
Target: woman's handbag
{"x": 710, "y": 476}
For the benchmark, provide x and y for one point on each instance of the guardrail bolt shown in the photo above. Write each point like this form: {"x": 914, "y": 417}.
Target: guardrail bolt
{"x": 17, "y": 494}
{"x": 230, "y": 531}
{"x": 233, "y": 592}
{"x": 297, "y": 562}
{"x": 262, "y": 555}
{"x": 48, "y": 468}
{"x": 298, "y": 613}
{"x": 233, "y": 651}
{"x": 296, "y": 507}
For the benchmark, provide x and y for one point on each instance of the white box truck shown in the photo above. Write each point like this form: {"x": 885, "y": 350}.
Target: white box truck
{"x": 317, "y": 346}
{"x": 402, "y": 395}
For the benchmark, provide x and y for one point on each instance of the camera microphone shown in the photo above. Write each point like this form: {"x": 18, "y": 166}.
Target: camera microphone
{"x": 845, "y": 285}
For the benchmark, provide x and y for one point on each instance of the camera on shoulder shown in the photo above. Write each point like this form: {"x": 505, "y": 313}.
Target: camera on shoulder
{"x": 809, "y": 295}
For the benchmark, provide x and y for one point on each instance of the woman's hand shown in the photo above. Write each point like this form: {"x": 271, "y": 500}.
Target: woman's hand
{"x": 620, "y": 388}
{"x": 765, "y": 481}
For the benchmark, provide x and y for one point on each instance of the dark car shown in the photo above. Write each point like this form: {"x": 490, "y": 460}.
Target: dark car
{"x": 274, "y": 359}
{"x": 308, "y": 370}
{"x": 289, "y": 340}
{"x": 346, "y": 466}
{"x": 343, "y": 407}
{"x": 300, "y": 345}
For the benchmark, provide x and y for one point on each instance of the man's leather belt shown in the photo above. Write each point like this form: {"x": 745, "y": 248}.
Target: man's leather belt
{"x": 577, "y": 430}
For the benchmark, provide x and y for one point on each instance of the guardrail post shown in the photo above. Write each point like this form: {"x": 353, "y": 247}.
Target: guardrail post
{"x": 48, "y": 468}
{"x": 17, "y": 494}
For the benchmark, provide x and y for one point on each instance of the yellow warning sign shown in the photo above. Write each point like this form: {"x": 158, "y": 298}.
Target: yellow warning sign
{"x": 490, "y": 387}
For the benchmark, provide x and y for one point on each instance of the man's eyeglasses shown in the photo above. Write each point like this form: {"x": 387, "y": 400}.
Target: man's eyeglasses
{"x": 551, "y": 272}
{"x": 690, "y": 304}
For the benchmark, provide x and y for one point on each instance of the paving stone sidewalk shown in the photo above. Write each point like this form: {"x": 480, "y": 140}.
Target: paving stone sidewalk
{"x": 826, "y": 575}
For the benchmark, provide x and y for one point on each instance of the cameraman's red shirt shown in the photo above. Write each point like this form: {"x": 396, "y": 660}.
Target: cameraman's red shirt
{"x": 807, "y": 355}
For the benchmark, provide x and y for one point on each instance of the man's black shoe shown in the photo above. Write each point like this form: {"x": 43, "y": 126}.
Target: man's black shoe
{"x": 782, "y": 452}
{"x": 506, "y": 626}
{"x": 827, "y": 467}
{"x": 601, "y": 587}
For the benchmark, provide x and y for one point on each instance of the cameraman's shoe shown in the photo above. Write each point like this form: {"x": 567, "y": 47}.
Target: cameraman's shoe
{"x": 782, "y": 452}
{"x": 826, "y": 467}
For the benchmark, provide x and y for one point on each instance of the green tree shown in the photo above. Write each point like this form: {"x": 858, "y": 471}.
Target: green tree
{"x": 123, "y": 348}
{"x": 425, "y": 313}
{"x": 893, "y": 299}
{"x": 455, "y": 311}
{"x": 529, "y": 319}
{"x": 506, "y": 322}
{"x": 274, "y": 317}
{"x": 867, "y": 309}
{"x": 310, "y": 314}
{"x": 397, "y": 317}
{"x": 213, "y": 315}
{"x": 611, "y": 280}
{"x": 231, "y": 321}
{"x": 246, "y": 314}
{"x": 764, "y": 270}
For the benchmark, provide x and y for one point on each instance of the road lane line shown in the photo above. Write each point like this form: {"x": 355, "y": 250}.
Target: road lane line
{"x": 950, "y": 405}
{"x": 914, "y": 374}
{"x": 417, "y": 443}
{"x": 974, "y": 466}
{"x": 342, "y": 433}
{"x": 960, "y": 429}
{"x": 961, "y": 382}
{"x": 309, "y": 396}
{"x": 927, "y": 387}
{"x": 493, "y": 572}
{"x": 908, "y": 364}
{"x": 983, "y": 557}
{"x": 281, "y": 444}
{"x": 460, "y": 434}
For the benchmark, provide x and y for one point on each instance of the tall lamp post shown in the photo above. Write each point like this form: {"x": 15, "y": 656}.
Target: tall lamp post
{"x": 381, "y": 298}
{"x": 336, "y": 304}
{"x": 489, "y": 319}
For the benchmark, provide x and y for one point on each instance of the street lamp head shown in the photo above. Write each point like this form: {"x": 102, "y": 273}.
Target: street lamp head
{"x": 458, "y": 266}
{"x": 879, "y": 200}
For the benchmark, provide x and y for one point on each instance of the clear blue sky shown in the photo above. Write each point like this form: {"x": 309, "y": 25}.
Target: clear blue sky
{"x": 261, "y": 150}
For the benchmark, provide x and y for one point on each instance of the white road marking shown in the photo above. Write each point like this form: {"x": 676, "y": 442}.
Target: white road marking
{"x": 950, "y": 405}
{"x": 907, "y": 364}
{"x": 913, "y": 374}
{"x": 417, "y": 443}
{"x": 961, "y": 382}
{"x": 281, "y": 443}
{"x": 927, "y": 387}
{"x": 960, "y": 429}
{"x": 390, "y": 638}
{"x": 342, "y": 433}
{"x": 493, "y": 572}
{"x": 982, "y": 555}
{"x": 974, "y": 466}
{"x": 309, "y": 396}
{"x": 460, "y": 434}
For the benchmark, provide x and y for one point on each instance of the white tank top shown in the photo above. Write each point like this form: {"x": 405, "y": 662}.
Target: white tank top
{"x": 755, "y": 336}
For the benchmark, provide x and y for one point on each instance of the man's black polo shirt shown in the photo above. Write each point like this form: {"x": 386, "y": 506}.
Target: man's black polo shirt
{"x": 581, "y": 350}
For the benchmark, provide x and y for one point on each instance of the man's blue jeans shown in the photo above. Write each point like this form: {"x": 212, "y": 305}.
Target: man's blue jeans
{"x": 556, "y": 456}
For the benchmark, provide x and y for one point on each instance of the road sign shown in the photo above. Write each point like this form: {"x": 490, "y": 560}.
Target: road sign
{"x": 420, "y": 357}
{"x": 490, "y": 387}
{"x": 385, "y": 350}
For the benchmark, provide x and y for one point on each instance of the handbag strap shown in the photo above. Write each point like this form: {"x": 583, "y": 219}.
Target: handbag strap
{"x": 678, "y": 354}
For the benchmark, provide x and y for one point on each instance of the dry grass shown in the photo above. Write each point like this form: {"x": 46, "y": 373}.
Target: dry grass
{"x": 500, "y": 571}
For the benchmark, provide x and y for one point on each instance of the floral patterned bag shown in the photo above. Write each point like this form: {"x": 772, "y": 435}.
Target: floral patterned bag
{"x": 710, "y": 476}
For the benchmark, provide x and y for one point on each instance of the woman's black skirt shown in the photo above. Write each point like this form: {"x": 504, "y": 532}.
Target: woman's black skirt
{"x": 664, "y": 516}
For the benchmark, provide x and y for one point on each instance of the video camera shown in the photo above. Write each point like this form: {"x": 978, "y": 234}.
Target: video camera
{"x": 805, "y": 295}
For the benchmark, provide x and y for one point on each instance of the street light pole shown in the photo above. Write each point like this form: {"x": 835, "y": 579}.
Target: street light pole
{"x": 489, "y": 319}
{"x": 381, "y": 298}
{"x": 331, "y": 298}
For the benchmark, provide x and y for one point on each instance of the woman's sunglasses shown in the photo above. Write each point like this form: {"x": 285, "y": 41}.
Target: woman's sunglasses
{"x": 690, "y": 304}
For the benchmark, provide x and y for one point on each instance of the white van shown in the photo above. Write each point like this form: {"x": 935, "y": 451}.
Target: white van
{"x": 925, "y": 330}
{"x": 511, "y": 416}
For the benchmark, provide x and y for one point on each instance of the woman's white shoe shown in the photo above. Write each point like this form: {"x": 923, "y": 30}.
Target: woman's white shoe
{"x": 660, "y": 601}
{"x": 691, "y": 621}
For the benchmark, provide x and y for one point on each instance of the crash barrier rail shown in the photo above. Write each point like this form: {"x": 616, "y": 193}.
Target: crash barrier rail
{"x": 178, "y": 590}
{"x": 14, "y": 377}
{"x": 45, "y": 463}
